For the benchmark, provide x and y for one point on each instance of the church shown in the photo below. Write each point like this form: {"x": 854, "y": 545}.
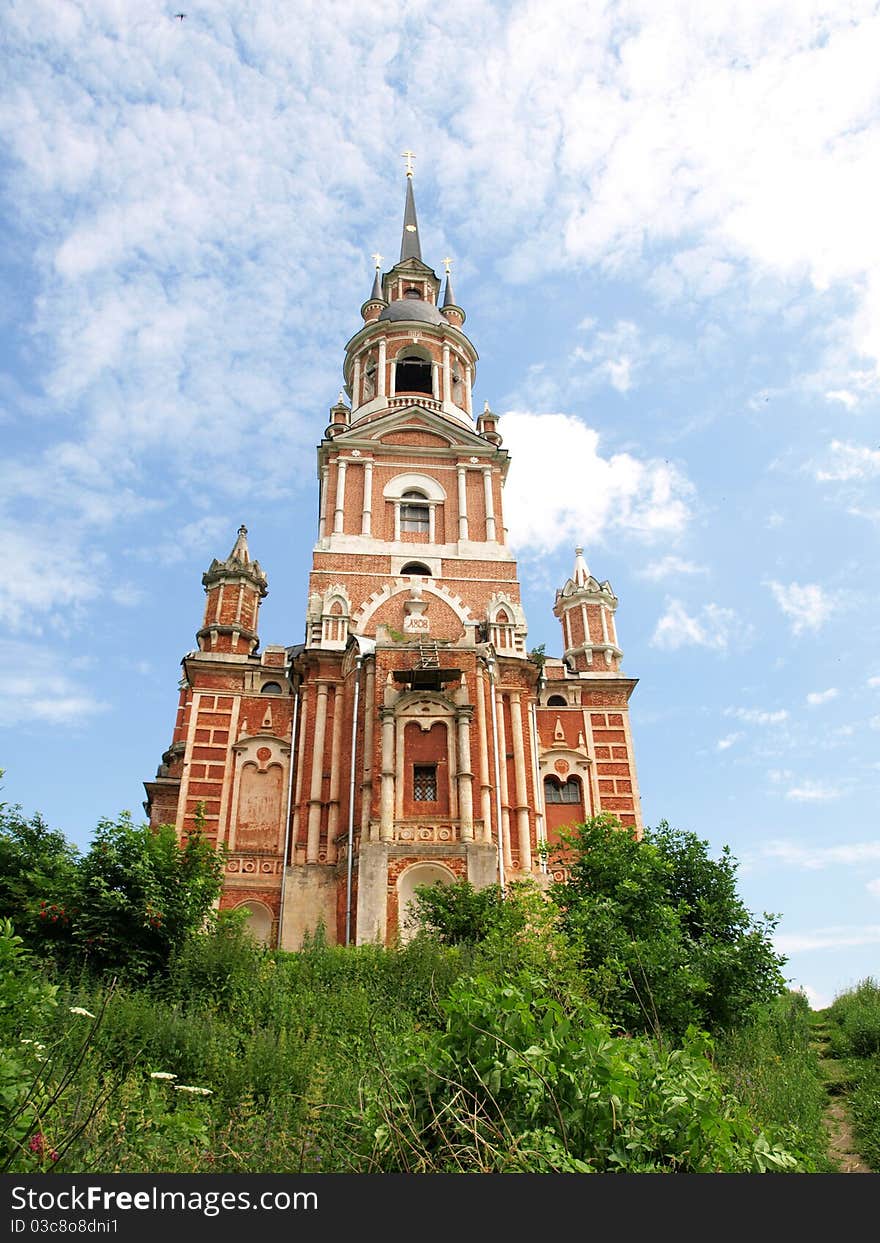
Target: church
{"x": 411, "y": 737}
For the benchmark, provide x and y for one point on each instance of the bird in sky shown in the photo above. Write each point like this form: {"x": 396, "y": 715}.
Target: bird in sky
{"x": 180, "y": 16}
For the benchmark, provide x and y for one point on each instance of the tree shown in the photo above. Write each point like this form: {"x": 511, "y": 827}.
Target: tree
{"x": 37, "y": 872}
{"x": 660, "y": 930}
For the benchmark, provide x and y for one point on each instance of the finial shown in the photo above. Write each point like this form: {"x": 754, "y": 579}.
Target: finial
{"x": 447, "y": 262}
{"x": 341, "y": 398}
{"x": 486, "y": 409}
{"x": 377, "y": 259}
{"x": 581, "y": 569}
{"x": 409, "y": 156}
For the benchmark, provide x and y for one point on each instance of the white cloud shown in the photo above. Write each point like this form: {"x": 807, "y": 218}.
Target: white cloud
{"x": 874, "y": 722}
{"x": 873, "y": 887}
{"x": 670, "y": 567}
{"x": 816, "y": 858}
{"x": 806, "y": 605}
{"x": 723, "y": 744}
{"x": 35, "y": 690}
{"x": 713, "y": 627}
{"x": 874, "y": 681}
{"x": 827, "y": 938}
{"x": 566, "y": 489}
{"x": 812, "y": 792}
{"x": 758, "y": 716}
{"x": 814, "y": 698}
{"x": 848, "y": 461}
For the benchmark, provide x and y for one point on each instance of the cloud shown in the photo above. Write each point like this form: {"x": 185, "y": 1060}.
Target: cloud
{"x": 827, "y": 938}
{"x": 670, "y": 567}
{"x": 874, "y": 681}
{"x": 565, "y": 489}
{"x": 873, "y": 888}
{"x": 713, "y": 627}
{"x": 758, "y": 716}
{"x": 723, "y": 744}
{"x": 814, "y": 698}
{"x": 848, "y": 461}
{"x": 817, "y": 858}
{"x": 812, "y": 792}
{"x": 806, "y": 605}
{"x": 34, "y": 691}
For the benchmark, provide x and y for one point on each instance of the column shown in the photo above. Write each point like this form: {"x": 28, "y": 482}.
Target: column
{"x": 314, "y": 826}
{"x": 462, "y": 503}
{"x": 467, "y": 390}
{"x": 336, "y": 767}
{"x": 465, "y": 776}
{"x": 604, "y": 617}
{"x": 432, "y": 523}
{"x": 380, "y": 369}
{"x": 356, "y": 383}
{"x": 522, "y": 793}
{"x": 339, "y": 512}
{"x": 485, "y": 784}
{"x": 369, "y": 698}
{"x": 447, "y": 375}
{"x": 322, "y": 524}
{"x": 300, "y": 761}
{"x": 367, "y": 511}
{"x": 490, "y": 503}
{"x": 386, "y": 807}
{"x": 435, "y": 381}
{"x": 502, "y": 781}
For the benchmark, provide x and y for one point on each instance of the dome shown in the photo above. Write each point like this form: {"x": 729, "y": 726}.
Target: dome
{"x": 413, "y": 308}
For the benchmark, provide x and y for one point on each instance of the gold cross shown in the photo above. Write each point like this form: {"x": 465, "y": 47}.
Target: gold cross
{"x": 448, "y": 263}
{"x": 409, "y": 156}
{"x": 377, "y": 258}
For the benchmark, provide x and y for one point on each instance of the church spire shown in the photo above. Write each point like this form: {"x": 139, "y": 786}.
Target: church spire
{"x": 409, "y": 242}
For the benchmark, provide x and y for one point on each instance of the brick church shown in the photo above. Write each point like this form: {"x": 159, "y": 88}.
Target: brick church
{"x": 410, "y": 737}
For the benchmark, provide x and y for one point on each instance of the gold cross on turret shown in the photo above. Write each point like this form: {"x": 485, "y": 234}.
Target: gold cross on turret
{"x": 448, "y": 262}
{"x": 377, "y": 258}
{"x": 409, "y": 156}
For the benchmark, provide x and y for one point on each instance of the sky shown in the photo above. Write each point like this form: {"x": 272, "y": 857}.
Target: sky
{"x": 663, "y": 226}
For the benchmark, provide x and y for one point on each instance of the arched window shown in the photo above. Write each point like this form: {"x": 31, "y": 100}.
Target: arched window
{"x": 415, "y": 515}
{"x": 271, "y": 688}
{"x": 413, "y": 376}
{"x": 417, "y": 569}
{"x": 557, "y": 701}
{"x": 557, "y": 792}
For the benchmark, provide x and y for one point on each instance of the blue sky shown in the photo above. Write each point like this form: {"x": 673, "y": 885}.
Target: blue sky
{"x": 663, "y": 221}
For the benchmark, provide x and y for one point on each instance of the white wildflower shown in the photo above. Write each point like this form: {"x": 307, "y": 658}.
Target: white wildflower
{"x": 35, "y": 1043}
{"x": 81, "y": 1010}
{"x": 161, "y": 1074}
{"x": 185, "y": 1087}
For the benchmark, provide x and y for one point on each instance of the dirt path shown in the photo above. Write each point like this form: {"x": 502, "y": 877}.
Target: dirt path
{"x": 841, "y": 1146}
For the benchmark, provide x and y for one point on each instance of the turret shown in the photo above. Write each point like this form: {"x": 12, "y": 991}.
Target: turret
{"x": 234, "y": 589}
{"x": 585, "y": 608}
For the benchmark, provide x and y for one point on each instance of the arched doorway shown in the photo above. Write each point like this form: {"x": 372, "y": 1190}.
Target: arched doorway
{"x": 259, "y": 923}
{"x": 415, "y": 876}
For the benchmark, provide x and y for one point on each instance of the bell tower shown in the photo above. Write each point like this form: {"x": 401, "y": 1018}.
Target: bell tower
{"x": 411, "y": 737}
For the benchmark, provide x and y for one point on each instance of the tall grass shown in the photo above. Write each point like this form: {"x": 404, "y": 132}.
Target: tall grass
{"x": 854, "y": 1029}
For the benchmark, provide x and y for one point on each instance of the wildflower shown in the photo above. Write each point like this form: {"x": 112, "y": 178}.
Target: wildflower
{"x": 81, "y": 1010}
{"x": 185, "y": 1087}
{"x": 35, "y": 1043}
{"x": 161, "y": 1074}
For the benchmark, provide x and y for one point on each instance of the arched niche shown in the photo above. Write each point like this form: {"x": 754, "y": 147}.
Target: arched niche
{"x": 259, "y": 924}
{"x": 407, "y": 883}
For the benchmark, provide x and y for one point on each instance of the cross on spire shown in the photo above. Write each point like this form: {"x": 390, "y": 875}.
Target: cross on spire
{"x": 448, "y": 264}
{"x": 377, "y": 259}
{"x": 409, "y": 156}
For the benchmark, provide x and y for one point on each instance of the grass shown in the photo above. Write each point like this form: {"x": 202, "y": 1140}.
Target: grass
{"x": 851, "y": 1028}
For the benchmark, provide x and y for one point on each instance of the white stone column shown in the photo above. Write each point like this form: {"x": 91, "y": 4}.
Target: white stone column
{"x": 435, "y": 381}
{"x": 339, "y": 512}
{"x": 367, "y": 511}
{"x": 447, "y": 375}
{"x": 300, "y": 763}
{"x": 432, "y": 524}
{"x": 468, "y": 396}
{"x": 462, "y": 503}
{"x": 386, "y": 809}
{"x": 397, "y": 522}
{"x": 369, "y": 714}
{"x": 322, "y": 523}
{"x": 604, "y": 616}
{"x": 380, "y": 369}
{"x": 502, "y": 781}
{"x": 465, "y": 776}
{"x": 490, "y": 503}
{"x": 522, "y": 794}
{"x": 314, "y": 825}
{"x": 336, "y": 767}
{"x": 356, "y": 384}
{"x": 485, "y": 784}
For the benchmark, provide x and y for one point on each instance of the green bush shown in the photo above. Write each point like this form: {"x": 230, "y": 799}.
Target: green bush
{"x": 854, "y": 1019}
{"x": 517, "y": 1082}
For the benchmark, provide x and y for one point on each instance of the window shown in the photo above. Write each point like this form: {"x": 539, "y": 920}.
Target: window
{"x": 555, "y": 792}
{"x": 416, "y": 569}
{"x": 272, "y": 688}
{"x": 557, "y": 701}
{"x": 425, "y": 783}
{"x": 415, "y": 515}
{"x": 413, "y": 376}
